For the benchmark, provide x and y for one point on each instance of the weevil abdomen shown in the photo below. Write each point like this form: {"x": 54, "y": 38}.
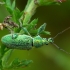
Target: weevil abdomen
{"x": 21, "y": 42}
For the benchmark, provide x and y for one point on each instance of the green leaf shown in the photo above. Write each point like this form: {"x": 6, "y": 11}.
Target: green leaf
{"x": 22, "y": 14}
{"x": 16, "y": 63}
{"x": 1, "y": 68}
{"x": 9, "y": 10}
{"x": 5, "y": 58}
{"x": 17, "y": 13}
{"x": 2, "y": 49}
{"x": 41, "y": 29}
{"x": 45, "y": 3}
{"x": 46, "y": 32}
{"x": 24, "y": 30}
{"x": 13, "y": 5}
{"x": 32, "y": 24}
{"x": 29, "y": 1}
{"x": 14, "y": 17}
{"x": 4, "y": 0}
{"x": 8, "y": 3}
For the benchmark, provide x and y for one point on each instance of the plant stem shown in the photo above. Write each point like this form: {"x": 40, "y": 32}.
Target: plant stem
{"x": 29, "y": 11}
{"x": 31, "y": 8}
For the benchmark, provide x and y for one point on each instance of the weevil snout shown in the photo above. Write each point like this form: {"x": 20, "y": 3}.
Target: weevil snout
{"x": 50, "y": 40}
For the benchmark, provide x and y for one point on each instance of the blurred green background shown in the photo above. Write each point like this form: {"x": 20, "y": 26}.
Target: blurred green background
{"x": 47, "y": 57}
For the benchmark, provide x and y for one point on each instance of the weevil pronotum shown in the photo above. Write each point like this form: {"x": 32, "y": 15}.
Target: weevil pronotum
{"x": 26, "y": 42}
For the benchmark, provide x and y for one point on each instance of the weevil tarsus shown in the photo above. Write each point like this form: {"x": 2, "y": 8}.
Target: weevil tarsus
{"x": 41, "y": 28}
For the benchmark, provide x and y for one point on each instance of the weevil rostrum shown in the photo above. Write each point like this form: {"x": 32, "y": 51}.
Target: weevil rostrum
{"x": 27, "y": 42}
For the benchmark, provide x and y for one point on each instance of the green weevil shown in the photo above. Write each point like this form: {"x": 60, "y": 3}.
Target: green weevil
{"x": 25, "y": 42}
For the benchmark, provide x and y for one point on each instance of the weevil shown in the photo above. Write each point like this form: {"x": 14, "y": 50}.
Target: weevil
{"x": 27, "y": 42}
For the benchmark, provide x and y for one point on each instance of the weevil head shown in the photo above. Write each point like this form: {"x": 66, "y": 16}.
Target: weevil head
{"x": 50, "y": 40}
{"x": 46, "y": 41}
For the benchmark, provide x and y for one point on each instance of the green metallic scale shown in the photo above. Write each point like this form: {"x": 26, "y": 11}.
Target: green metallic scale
{"x": 25, "y": 42}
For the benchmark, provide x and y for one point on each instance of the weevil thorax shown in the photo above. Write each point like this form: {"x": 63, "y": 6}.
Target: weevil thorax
{"x": 39, "y": 41}
{"x": 23, "y": 42}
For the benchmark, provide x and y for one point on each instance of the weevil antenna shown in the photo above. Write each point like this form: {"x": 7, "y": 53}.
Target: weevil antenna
{"x": 61, "y": 32}
{"x": 60, "y": 48}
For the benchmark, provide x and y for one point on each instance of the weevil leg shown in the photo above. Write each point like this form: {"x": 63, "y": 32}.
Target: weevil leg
{"x": 41, "y": 28}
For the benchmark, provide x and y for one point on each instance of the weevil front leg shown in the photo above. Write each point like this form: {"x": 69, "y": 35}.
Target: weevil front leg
{"x": 41, "y": 29}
